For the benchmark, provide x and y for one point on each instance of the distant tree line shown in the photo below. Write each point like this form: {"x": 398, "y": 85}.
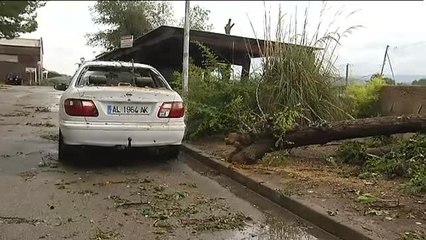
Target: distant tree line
{"x": 421, "y": 81}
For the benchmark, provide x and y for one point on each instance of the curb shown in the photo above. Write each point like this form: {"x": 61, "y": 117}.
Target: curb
{"x": 321, "y": 220}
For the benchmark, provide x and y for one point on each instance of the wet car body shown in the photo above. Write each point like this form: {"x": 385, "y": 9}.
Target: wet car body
{"x": 122, "y": 105}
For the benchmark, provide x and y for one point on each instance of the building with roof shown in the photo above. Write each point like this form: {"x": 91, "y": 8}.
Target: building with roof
{"x": 162, "y": 48}
{"x": 23, "y": 57}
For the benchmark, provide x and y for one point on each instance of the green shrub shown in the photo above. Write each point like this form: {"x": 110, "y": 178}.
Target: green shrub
{"x": 406, "y": 159}
{"x": 363, "y": 99}
{"x": 215, "y": 103}
{"x": 352, "y": 153}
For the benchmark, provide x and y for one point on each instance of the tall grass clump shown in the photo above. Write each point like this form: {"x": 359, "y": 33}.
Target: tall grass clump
{"x": 299, "y": 76}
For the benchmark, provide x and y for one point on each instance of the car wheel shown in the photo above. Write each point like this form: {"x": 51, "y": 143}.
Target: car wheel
{"x": 64, "y": 151}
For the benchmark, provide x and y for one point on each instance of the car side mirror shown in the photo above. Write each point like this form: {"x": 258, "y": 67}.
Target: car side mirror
{"x": 60, "y": 86}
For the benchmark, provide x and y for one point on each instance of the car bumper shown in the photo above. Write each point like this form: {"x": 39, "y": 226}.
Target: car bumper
{"x": 114, "y": 134}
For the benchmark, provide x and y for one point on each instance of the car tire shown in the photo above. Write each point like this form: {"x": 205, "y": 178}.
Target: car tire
{"x": 64, "y": 151}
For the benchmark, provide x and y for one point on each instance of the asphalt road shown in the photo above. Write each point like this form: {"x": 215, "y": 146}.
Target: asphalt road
{"x": 110, "y": 194}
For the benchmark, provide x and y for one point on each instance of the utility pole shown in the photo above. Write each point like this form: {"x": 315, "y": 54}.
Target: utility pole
{"x": 347, "y": 74}
{"x": 185, "y": 64}
{"x": 384, "y": 59}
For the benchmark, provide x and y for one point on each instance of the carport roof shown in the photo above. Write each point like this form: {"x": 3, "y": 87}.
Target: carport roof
{"x": 230, "y": 47}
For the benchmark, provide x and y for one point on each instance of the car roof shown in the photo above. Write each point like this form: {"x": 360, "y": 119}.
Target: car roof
{"x": 115, "y": 64}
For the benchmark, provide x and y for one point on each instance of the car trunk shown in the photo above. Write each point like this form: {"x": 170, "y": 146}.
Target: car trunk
{"x": 127, "y": 104}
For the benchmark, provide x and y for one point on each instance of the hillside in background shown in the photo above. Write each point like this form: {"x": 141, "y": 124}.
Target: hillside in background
{"x": 55, "y": 77}
{"x": 404, "y": 79}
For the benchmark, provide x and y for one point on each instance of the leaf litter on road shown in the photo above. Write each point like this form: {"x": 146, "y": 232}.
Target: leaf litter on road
{"x": 171, "y": 208}
{"x": 16, "y": 114}
{"x": 27, "y": 175}
{"x": 51, "y": 137}
{"x": 19, "y": 220}
{"x": 40, "y": 124}
{"x": 42, "y": 109}
{"x": 105, "y": 234}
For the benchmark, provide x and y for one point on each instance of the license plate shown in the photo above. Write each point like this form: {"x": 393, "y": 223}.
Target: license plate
{"x": 128, "y": 109}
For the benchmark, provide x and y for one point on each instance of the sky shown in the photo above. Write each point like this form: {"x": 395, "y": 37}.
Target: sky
{"x": 399, "y": 24}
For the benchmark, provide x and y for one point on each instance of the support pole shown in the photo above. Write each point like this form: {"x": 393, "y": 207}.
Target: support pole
{"x": 384, "y": 60}
{"x": 347, "y": 74}
{"x": 185, "y": 64}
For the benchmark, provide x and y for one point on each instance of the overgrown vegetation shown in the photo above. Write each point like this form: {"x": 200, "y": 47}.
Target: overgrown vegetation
{"x": 405, "y": 159}
{"x": 295, "y": 85}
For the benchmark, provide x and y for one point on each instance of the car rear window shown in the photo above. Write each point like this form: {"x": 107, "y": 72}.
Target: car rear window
{"x": 120, "y": 76}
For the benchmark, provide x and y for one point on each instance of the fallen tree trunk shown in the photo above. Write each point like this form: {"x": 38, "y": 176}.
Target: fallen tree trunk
{"x": 340, "y": 130}
{"x": 357, "y": 128}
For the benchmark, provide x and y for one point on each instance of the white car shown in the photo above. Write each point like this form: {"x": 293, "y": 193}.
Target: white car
{"x": 119, "y": 104}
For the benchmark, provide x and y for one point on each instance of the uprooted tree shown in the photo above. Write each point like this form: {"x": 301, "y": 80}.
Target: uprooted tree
{"x": 309, "y": 135}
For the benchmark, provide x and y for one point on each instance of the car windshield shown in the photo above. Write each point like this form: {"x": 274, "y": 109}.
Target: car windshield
{"x": 120, "y": 76}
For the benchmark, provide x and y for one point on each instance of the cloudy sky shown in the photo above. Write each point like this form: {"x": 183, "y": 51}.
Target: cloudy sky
{"x": 63, "y": 24}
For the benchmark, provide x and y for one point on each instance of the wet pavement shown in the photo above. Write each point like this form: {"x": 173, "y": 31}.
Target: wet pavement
{"x": 110, "y": 194}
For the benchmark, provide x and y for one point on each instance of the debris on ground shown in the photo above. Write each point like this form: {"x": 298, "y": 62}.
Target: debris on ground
{"x": 16, "y": 114}
{"x": 125, "y": 203}
{"x": 387, "y": 191}
{"x": 229, "y": 221}
{"x": 105, "y": 234}
{"x": 48, "y": 161}
{"x": 19, "y": 220}
{"x": 170, "y": 208}
{"x": 40, "y": 124}
{"x": 42, "y": 109}
{"x": 414, "y": 235}
{"x": 51, "y": 137}
{"x": 27, "y": 175}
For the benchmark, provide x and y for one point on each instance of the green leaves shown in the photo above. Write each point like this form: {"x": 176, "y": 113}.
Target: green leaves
{"x": 199, "y": 19}
{"x": 366, "y": 198}
{"x": 364, "y": 97}
{"x": 405, "y": 159}
{"x": 119, "y": 18}
{"x": 352, "y": 153}
{"x": 18, "y": 17}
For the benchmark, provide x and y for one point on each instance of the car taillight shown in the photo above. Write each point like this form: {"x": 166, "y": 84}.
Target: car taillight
{"x": 79, "y": 107}
{"x": 171, "y": 110}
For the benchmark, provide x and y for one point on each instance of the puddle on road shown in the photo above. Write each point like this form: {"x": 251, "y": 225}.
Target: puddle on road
{"x": 272, "y": 232}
